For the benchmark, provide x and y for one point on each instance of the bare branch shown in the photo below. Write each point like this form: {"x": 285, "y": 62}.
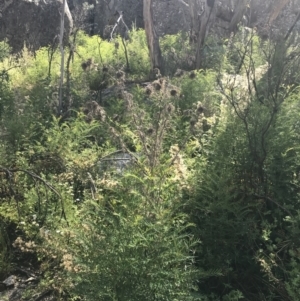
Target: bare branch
{"x": 184, "y": 3}
{"x": 120, "y": 19}
{"x": 10, "y": 172}
{"x": 115, "y": 26}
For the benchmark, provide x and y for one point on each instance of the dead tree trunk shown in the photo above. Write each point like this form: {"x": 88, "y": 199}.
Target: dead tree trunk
{"x": 62, "y": 63}
{"x": 152, "y": 37}
{"x": 63, "y": 13}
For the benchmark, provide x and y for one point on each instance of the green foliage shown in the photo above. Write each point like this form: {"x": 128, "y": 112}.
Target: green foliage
{"x": 138, "y": 54}
{"x": 198, "y": 86}
{"x": 213, "y": 53}
{"x": 4, "y": 50}
{"x": 236, "y": 54}
{"x": 132, "y": 253}
{"x": 210, "y": 198}
{"x": 5, "y": 93}
{"x": 177, "y": 53}
{"x": 245, "y": 201}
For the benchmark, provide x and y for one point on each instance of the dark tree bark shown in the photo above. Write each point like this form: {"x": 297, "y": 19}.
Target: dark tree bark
{"x": 152, "y": 37}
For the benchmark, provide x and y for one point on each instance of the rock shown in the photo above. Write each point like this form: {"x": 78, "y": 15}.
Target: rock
{"x": 14, "y": 287}
{"x": 10, "y": 281}
{"x": 34, "y": 23}
{"x": 117, "y": 162}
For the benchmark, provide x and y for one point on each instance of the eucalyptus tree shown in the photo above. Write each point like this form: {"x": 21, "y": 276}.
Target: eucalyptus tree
{"x": 152, "y": 37}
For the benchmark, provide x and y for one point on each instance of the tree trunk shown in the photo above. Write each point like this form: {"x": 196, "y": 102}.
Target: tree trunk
{"x": 292, "y": 27}
{"x": 277, "y": 9}
{"x": 62, "y": 63}
{"x": 239, "y": 12}
{"x": 195, "y": 8}
{"x": 205, "y": 23}
{"x": 152, "y": 37}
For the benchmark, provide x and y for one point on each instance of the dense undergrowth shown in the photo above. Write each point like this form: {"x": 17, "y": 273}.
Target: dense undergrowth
{"x": 206, "y": 205}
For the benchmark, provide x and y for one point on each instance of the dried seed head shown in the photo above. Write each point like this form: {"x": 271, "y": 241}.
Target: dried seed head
{"x": 205, "y": 125}
{"x": 200, "y": 109}
{"x": 94, "y": 110}
{"x": 148, "y": 90}
{"x": 157, "y": 86}
{"x": 150, "y": 131}
{"x": 173, "y": 92}
{"x": 192, "y": 75}
{"x": 120, "y": 74}
{"x": 170, "y": 108}
{"x": 179, "y": 73}
{"x": 84, "y": 66}
{"x": 90, "y": 61}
